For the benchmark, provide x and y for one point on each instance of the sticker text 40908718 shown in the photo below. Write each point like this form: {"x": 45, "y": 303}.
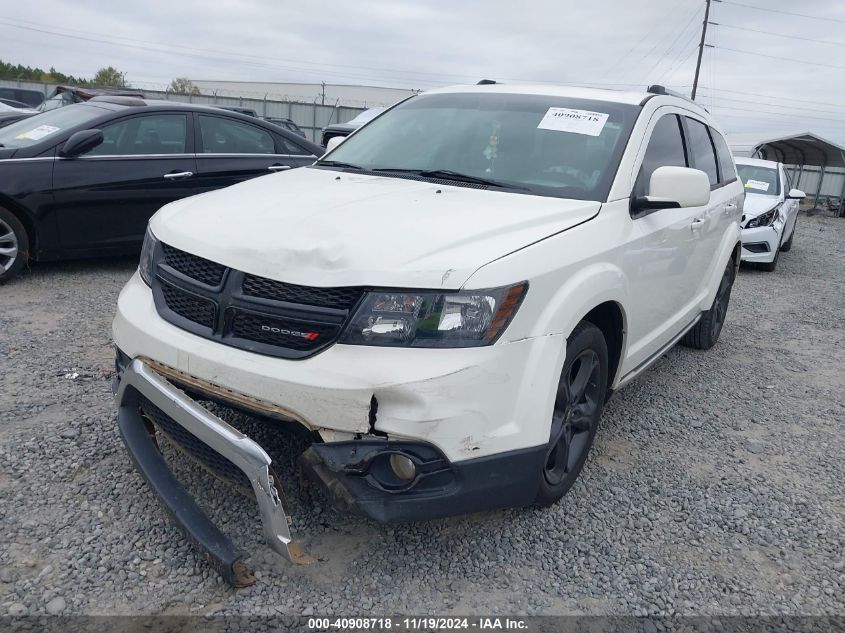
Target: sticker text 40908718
{"x": 575, "y": 121}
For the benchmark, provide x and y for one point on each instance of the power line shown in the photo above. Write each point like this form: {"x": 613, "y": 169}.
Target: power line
{"x": 649, "y": 52}
{"x": 775, "y": 105}
{"x": 665, "y": 55}
{"x": 788, "y": 59}
{"x": 799, "y": 15}
{"x": 757, "y": 94}
{"x": 791, "y": 116}
{"x": 793, "y": 37}
{"x": 169, "y": 49}
{"x": 682, "y": 62}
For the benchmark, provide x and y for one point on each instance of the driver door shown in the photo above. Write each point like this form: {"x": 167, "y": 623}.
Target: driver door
{"x": 105, "y": 197}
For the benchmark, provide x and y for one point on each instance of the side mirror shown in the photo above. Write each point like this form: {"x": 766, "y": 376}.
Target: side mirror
{"x": 334, "y": 142}
{"x": 796, "y": 194}
{"x": 81, "y": 142}
{"x": 675, "y": 187}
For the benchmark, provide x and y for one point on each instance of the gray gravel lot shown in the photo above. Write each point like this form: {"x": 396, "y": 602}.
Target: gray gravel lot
{"x": 715, "y": 486}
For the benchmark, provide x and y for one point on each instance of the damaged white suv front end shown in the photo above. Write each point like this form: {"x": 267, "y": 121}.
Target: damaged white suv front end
{"x": 443, "y": 303}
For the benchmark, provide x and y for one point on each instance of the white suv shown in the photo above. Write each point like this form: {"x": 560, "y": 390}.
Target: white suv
{"x": 445, "y": 300}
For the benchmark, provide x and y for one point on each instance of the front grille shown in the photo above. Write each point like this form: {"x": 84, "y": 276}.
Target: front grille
{"x": 343, "y": 298}
{"x": 203, "y": 270}
{"x": 284, "y": 332}
{"x": 242, "y": 310}
{"x": 188, "y": 306}
{"x": 193, "y": 446}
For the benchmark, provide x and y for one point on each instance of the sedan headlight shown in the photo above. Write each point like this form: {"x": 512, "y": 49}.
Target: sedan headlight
{"x": 414, "y": 318}
{"x": 145, "y": 267}
{"x": 764, "y": 219}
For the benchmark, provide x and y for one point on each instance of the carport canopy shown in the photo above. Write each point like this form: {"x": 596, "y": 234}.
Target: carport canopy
{"x": 802, "y": 149}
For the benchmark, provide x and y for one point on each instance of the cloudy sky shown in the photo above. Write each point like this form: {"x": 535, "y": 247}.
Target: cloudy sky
{"x": 769, "y": 71}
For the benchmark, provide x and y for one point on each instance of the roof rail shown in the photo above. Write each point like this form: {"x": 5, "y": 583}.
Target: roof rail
{"x": 486, "y": 82}
{"x": 657, "y": 89}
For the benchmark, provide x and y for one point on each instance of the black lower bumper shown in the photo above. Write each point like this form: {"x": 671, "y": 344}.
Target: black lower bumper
{"x": 184, "y": 511}
{"x": 355, "y": 476}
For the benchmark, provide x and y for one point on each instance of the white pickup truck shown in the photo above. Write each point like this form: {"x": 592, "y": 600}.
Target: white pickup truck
{"x": 445, "y": 300}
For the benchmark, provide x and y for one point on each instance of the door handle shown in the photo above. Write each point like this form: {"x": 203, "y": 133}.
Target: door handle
{"x": 178, "y": 175}
{"x": 697, "y": 223}
{"x": 278, "y": 167}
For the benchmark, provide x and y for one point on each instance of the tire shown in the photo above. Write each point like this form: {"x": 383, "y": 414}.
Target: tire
{"x": 769, "y": 267}
{"x": 14, "y": 246}
{"x": 787, "y": 245}
{"x": 705, "y": 333}
{"x": 576, "y": 412}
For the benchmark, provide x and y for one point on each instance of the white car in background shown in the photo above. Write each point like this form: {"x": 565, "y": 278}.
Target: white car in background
{"x": 770, "y": 211}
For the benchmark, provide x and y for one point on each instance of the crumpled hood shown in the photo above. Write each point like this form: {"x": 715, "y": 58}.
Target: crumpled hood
{"x": 755, "y": 204}
{"x": 329, "y": 228}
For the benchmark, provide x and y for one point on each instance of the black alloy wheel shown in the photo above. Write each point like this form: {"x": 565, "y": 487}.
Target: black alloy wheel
{"x": 578, "y": 405}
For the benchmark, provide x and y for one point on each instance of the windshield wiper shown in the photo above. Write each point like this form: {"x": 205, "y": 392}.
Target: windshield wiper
{"x": 448, "y": 174}
{"x": 338, "y": 163}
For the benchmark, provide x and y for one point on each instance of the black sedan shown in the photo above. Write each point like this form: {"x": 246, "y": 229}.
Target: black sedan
{"x": 83, "y": 180}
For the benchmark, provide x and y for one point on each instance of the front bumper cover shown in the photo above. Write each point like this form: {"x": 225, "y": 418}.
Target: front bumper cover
{"x": 139, "y": 381}
{"x": 355, "y": 474}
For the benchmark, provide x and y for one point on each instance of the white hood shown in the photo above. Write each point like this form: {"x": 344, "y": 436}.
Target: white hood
{"x": 323, "y": 227}
{"x": 755, "y": 204}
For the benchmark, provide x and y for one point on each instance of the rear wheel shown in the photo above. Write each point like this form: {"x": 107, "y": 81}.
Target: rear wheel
{"x": 14, "y": 245}
{"x": 705, "y": 333}
{"x": 577, "y": 409}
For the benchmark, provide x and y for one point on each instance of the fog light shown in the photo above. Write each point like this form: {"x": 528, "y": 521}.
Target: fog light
{"x": 402, "y": 467}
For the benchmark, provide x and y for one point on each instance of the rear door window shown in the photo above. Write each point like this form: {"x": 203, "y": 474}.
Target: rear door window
{"x": 227, "y": 136}
{"x": 702, "y": 154}
{"x": 144, "y": 135}
{"x": 665, "y": 147}
{"x": 727, "y": 170}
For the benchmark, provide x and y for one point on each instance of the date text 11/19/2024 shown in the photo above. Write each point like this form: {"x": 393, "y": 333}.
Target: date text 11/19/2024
{"x": 423, "y": 623}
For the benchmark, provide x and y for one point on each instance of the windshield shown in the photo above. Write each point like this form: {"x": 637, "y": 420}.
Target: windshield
{"x": 47, "y": 124}
{"x": 544, "y": 145}
{"x": 366, "y": 116}
{"x": 759, "y": 180}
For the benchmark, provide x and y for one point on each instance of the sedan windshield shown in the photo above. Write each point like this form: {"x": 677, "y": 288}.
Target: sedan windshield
{"x": 759, "y": 180}
{"x": 555, "y": 146}
{"x": 46, "y": 125}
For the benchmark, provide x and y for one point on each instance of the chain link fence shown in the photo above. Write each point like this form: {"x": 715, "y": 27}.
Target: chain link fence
{"x": 310, "y": 117}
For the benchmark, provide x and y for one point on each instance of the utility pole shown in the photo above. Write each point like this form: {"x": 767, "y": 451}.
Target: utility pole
{"x": 700, "y": 49}
{"x": 323, "y": 100}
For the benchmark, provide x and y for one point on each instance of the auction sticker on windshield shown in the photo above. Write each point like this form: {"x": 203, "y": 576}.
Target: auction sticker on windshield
{"x": 575, "y": 121}
{"x": 757, "y": 184}
{"x": 38, "y": 133}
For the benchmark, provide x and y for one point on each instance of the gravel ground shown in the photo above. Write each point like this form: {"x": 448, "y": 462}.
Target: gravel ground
{"x": 715, "y": 485}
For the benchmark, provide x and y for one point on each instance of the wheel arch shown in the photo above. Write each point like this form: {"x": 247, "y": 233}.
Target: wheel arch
{"x": 609, "y": 317}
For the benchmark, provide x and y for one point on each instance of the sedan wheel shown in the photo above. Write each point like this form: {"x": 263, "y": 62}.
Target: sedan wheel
{"x": 13, "y": 245}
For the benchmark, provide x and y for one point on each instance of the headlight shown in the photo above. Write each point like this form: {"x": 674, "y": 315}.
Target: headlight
{"x": 145, "y": 267}
{"x": 764, "y": 219}
{"x": 433, "y": 319}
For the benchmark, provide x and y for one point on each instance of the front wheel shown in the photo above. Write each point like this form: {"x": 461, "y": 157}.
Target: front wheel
{"x": 787, "y": 245}
{"x": 578, "y": 405}
{"x": 705, "y": 333}
{"x": 14, "y": 246}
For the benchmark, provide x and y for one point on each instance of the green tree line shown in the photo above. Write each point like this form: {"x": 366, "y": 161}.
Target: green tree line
{"x": 108, "y": 76}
